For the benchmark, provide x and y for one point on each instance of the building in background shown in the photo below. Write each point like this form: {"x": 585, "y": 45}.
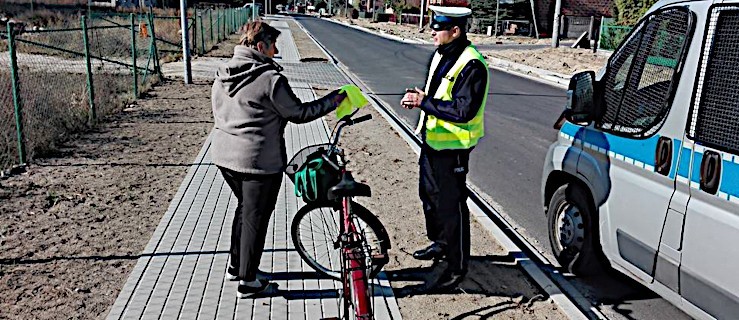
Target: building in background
{"x": 570, "y": 8}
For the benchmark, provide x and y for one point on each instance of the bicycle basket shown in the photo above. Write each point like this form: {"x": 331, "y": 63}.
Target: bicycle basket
{"x": 310, "y": 173}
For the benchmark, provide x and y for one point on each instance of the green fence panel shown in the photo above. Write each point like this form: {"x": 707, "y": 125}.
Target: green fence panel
{"x": 611, "y": 35}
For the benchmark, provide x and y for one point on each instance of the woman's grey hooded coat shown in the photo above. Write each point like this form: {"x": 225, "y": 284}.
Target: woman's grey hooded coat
{"x": 252, "y": 103}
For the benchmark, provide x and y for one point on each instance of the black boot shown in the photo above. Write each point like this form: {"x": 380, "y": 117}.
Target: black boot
{"x": 434, "y": 251}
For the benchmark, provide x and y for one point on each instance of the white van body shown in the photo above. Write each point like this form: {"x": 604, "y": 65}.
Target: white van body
{"x": 657, "y": 167}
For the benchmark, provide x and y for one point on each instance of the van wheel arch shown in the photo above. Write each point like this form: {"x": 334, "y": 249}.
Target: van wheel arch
{"x": 557, "y": 179}
{"x": 572, "y": 215}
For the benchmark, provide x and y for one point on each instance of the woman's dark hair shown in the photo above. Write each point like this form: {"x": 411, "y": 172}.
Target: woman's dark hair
{"x": 258, "y": 31}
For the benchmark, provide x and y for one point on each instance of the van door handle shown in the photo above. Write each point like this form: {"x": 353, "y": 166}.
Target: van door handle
{"x": 710, "y": 171}
{"x": 663, "y": 156}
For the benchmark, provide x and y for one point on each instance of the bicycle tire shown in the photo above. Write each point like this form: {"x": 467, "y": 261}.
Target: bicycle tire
{"x": 320, "y": 252}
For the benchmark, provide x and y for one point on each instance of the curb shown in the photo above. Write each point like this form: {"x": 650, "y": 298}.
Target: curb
{"x": 540, "y": 75}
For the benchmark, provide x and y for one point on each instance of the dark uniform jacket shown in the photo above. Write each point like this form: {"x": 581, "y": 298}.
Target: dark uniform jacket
{"x": 468, "y": 91}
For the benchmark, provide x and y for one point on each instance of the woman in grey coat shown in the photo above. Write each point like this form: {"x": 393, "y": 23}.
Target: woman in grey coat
{"x": 252, "y": 104}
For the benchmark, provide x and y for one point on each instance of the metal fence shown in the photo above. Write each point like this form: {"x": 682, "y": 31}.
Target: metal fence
{"x": 611, "y": 35}
{"x": 58, "y": 81}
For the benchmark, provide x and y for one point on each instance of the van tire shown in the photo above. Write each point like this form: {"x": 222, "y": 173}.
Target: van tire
{"x": 573, "y": 232}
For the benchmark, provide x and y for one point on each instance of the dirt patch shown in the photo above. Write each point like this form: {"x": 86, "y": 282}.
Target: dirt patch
{"x": 73, "y": 225}
{"x": 561, "y": 60}
{"x": 225, "y": 49}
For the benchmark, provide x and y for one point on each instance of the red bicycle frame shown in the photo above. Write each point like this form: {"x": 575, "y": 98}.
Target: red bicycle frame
{"x": 355, "y": 268}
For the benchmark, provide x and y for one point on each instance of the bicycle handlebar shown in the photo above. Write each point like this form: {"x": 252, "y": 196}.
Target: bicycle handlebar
{"x": 360, "y": 119}
{"x": 347, "y": 122}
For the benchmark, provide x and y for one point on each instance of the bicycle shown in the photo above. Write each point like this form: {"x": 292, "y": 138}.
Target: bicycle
{"x": 335, "y": 235}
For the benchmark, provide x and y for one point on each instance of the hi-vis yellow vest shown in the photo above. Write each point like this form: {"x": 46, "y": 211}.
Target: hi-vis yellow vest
{"x": 445, "y": 135}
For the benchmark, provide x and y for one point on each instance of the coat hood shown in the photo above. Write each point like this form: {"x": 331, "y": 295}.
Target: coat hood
{"x": 246, "y": 65}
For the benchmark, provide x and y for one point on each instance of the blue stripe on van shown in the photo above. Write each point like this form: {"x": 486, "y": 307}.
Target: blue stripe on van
{"x": 639, "y": 150}
{"x": 684, "y": 168}
{"x": 644, "y": 151}
{"x": 677, "y": 147}
{"x": 570, "y": 129}
{"x": 730, "y": 178}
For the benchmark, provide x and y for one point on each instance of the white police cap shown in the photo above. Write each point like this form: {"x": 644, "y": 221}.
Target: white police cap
{"x": 445, "y": 18}
{"x": 451, "y": 12}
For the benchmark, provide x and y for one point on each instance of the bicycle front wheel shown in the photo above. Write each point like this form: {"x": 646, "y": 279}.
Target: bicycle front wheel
{"x": 315, "y": 232}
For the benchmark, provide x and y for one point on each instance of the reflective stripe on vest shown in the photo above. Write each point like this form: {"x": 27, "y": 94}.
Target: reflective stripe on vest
{"x": 445, "y": 135}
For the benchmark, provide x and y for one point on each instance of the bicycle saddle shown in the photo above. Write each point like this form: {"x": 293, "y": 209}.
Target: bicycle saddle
{"x": 347, "y": 187}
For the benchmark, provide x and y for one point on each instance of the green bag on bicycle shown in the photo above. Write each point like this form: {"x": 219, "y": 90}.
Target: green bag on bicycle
{"x": 314, "y": 179}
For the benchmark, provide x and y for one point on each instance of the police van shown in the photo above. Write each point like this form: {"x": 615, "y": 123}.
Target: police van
{"x": 644, "y": 175}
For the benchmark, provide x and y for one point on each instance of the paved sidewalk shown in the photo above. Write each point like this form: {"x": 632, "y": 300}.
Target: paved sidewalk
{"x": 180, "y": 274}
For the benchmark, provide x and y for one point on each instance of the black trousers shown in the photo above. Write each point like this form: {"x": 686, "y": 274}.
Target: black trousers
{"x": 257, "y": 196}
{"x": 443, "y": 192}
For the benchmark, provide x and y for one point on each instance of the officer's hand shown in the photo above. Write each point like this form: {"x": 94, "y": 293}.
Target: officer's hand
{"x": 412, "y": 98}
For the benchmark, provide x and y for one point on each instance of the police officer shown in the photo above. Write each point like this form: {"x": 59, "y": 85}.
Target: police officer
{"x": 452, "y": 117}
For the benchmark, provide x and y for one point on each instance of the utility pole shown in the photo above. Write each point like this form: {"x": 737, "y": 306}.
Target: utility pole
{"x": 185, "y": 42}
{"x": 533, "y": 17}
{"x": 555, "y": 24}
{"x": 420, "y": 16}
{"x": 497, "y": 10}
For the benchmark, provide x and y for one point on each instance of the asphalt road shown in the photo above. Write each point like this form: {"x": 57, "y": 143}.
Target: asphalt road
{"x": 507, "y": 163}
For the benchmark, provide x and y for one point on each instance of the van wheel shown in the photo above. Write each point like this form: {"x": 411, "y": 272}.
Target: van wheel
{"x": 572, "y": 230}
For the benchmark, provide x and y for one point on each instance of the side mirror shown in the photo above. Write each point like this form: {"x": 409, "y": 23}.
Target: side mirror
{"x": 580, "y": 106}
{"x": 580, "y": 97}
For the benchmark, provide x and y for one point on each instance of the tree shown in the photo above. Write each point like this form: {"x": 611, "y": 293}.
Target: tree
{"x": 628, "y": 12}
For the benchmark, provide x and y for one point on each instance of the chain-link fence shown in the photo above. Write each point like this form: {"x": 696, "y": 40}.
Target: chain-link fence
{"x": 58, "y": 81}
{"x": 612, "y": 35}
{"x": 214, "y": 25}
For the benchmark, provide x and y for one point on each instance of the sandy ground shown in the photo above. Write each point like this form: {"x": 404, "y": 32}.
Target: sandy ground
{"x": 72, "y": 226}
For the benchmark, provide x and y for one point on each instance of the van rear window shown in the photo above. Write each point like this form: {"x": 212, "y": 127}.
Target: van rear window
{"x": 715, "y": 115}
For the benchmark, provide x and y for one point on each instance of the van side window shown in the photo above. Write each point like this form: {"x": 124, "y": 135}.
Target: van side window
{"x": 715, "y": 115}
{"x": 639, "y": 82}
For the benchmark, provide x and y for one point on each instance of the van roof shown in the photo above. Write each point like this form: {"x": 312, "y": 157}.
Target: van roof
{"x": 663, "y": 3}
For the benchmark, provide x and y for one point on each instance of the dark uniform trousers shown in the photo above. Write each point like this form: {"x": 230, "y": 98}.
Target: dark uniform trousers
{"x": 257, "y": 196}
{"x": 443, "y": 192}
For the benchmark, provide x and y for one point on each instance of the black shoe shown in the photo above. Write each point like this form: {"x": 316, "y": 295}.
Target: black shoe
{"x": 232, "y": 274}
{"x": 434, "y": 251}
{"x": 449, "y": 281}
{"x": 244, "y": 291}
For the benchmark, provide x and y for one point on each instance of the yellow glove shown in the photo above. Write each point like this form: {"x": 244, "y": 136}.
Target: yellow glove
{"x": 354, "y": 100}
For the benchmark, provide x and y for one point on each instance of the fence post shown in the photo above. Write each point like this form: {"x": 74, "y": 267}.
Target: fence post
{"x": 157, "y": 67}
{"x": 218, "y": 27}
{"x": 194, "y": 31}
{"x": 133, "y": 60}
{"x": 202, "y": 34}
{"x": 16, "y": 95}
{"x": 88, "y": 69}
{"x": 210, "y": 17}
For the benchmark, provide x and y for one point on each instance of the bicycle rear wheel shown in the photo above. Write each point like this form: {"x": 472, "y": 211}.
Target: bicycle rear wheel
{"x": 315, "y": 231}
